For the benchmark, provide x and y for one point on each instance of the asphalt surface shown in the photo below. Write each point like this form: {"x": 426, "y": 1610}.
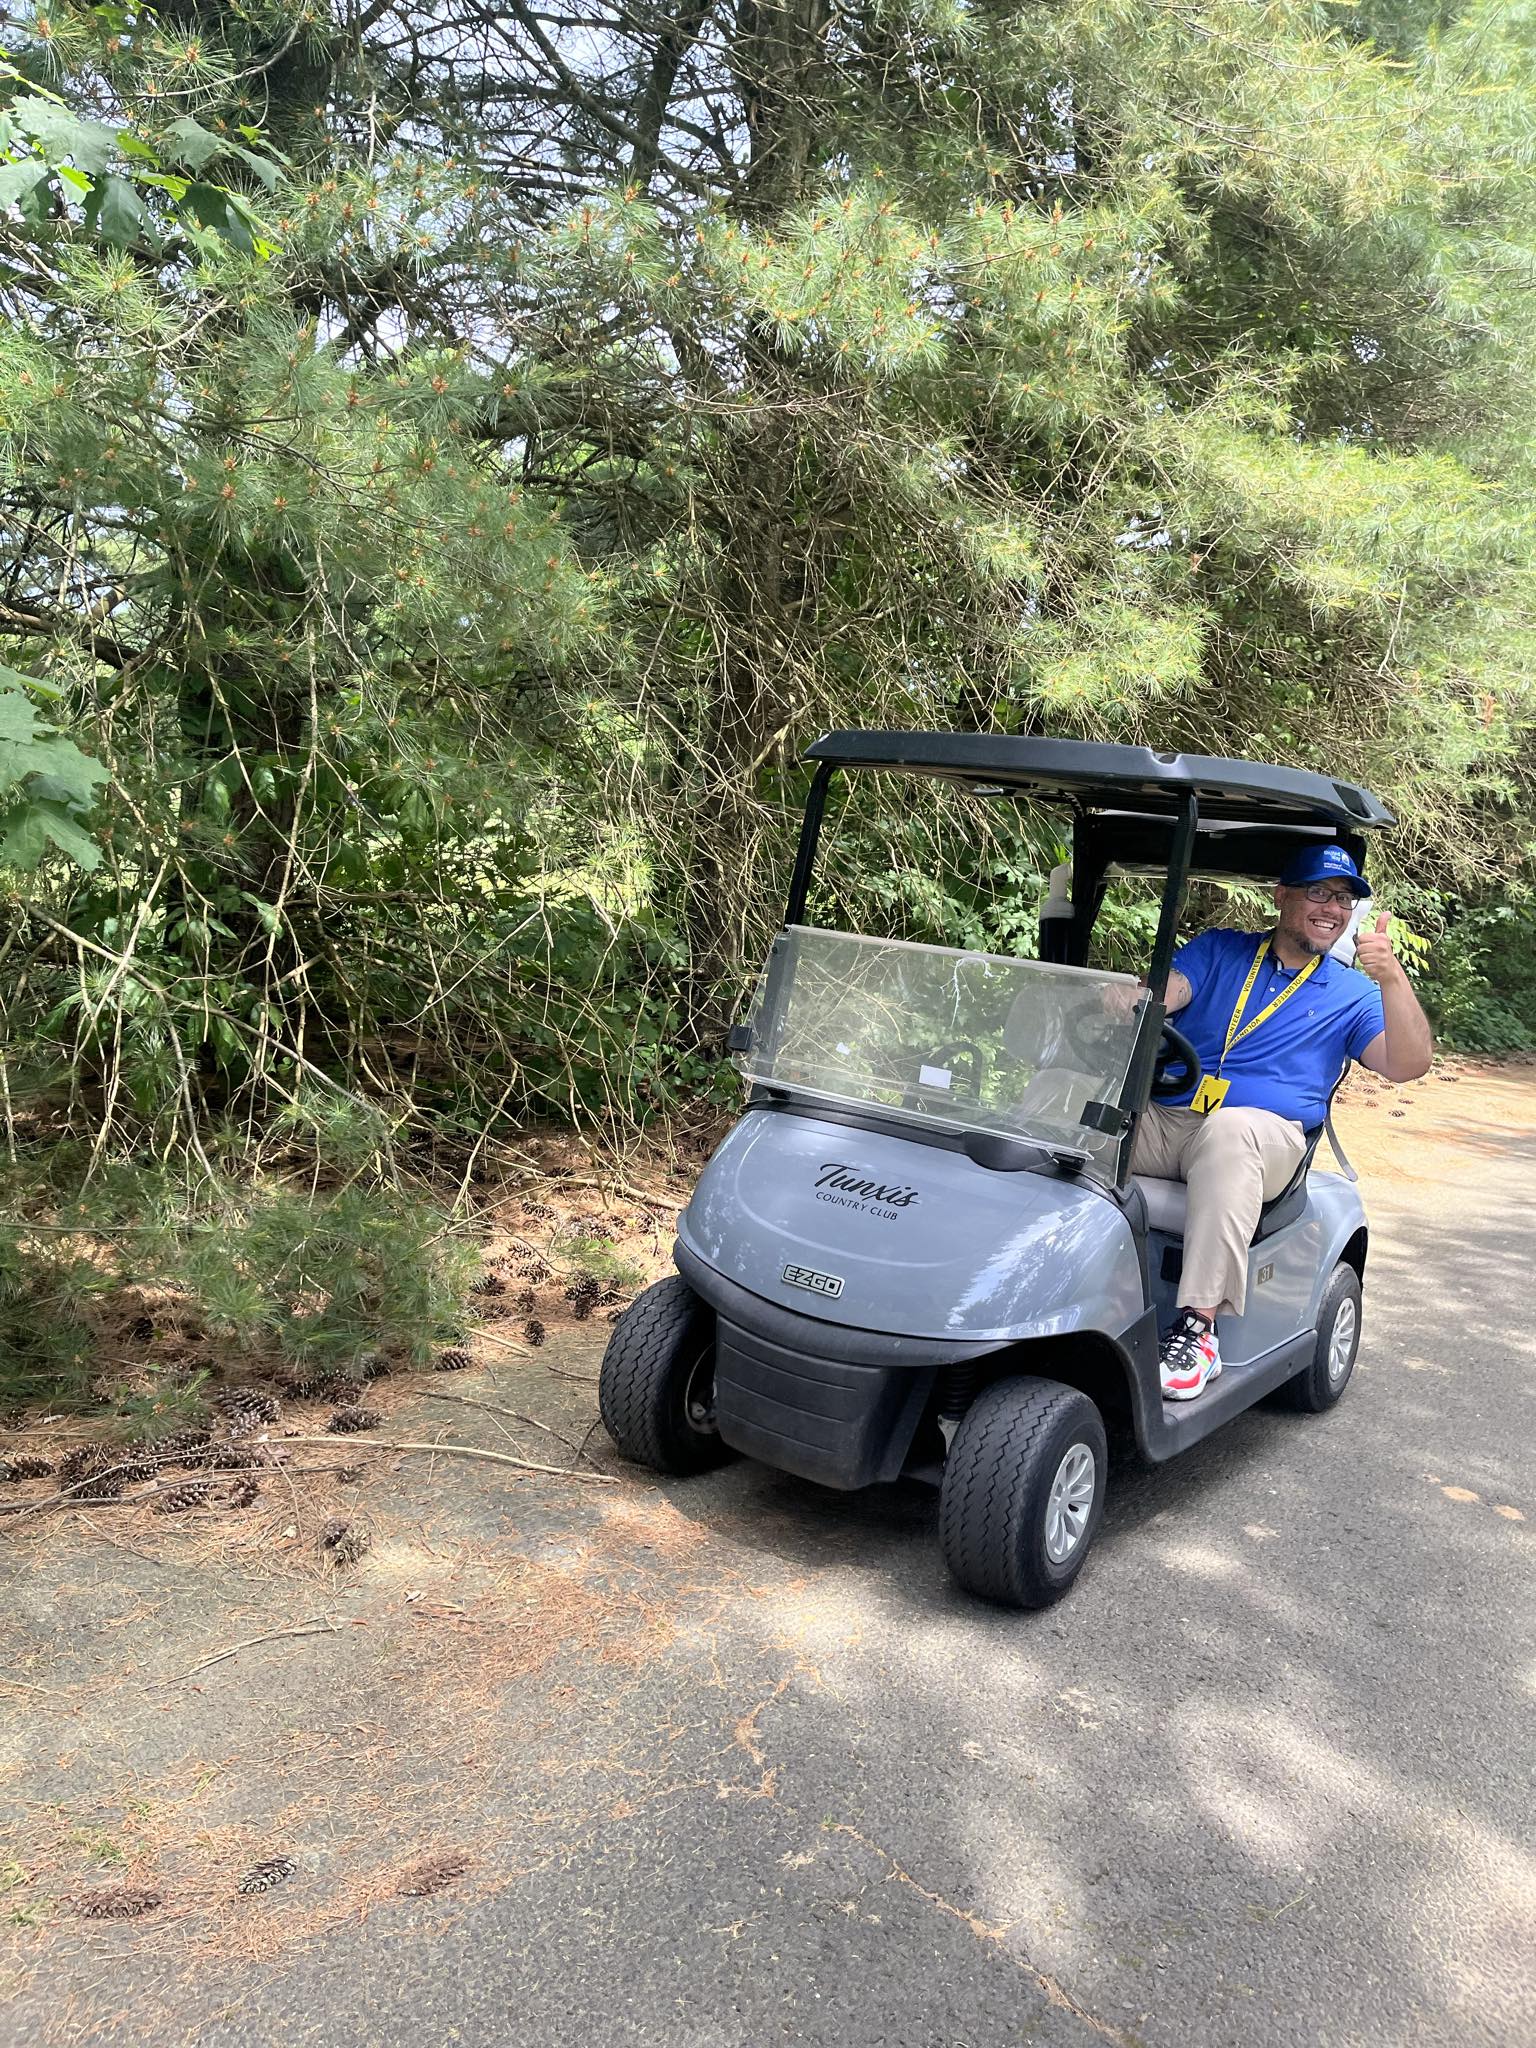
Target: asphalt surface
{"x": 1264, "y": 1778}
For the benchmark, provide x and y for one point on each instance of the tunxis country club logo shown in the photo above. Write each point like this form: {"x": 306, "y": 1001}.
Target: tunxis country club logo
{"x": 844, "y": 1186}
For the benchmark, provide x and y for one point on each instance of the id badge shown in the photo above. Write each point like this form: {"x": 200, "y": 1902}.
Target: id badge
{"x": 1209, "y": 1095}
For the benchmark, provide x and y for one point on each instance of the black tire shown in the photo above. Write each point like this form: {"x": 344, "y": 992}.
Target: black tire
{"x": 656, "y": 1390}
{"x": 1322, "y": 1380}
{"x": 1011, "y": 1444}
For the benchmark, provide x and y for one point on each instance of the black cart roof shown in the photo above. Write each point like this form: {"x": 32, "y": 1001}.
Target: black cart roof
{"x": 1115, "y": 778}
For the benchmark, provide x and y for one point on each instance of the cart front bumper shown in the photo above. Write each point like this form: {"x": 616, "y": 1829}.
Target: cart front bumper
{"x": 815, "y": 1397}
{"x": 842, "y": 1425}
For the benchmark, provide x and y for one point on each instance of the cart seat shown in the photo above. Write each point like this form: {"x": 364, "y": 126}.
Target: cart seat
{"x": 1167, "y": 1201}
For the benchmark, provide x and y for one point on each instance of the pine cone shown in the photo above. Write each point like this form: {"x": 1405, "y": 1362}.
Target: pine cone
{"x": 375, "y": 1367}
{"x": 247, "y": 1411}
{"x": 25, "y": 1468}
{"x": 432, "y": 1873}
{"x": 344, "y": 1542}
{"x": 141, "y": 1330}
{"x": 349, "y": 1475}
{"x": 489, "y": 1283}
{"x": 583, "y": 1295}
{"x": 452, "y": 1360}
{"x": 347, "y": 1394}
{"x": 539, "y": 1211}
{"x": 103, "y": 1485}
{"x": 139, "y": 1464}
{"x": 527, "y": 1302}
{"x": 348, "y": 1421}
{"x": 227, "y": 1458}
{"x": 244, "y": 1493}
{"x": 533, "y": 1332}
{"x": 261, "y": 1877}
{"x": 118, "y": 1902}
{"x": 177, "y": 1499}
{"x": 171, "y": 1449}
{"x": 74, "y": 1464}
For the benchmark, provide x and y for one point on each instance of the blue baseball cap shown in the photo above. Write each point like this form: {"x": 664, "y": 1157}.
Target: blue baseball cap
{"x": 1323, "y": 864}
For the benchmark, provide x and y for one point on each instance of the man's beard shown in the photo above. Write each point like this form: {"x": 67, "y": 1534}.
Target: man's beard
{"x": 1307, "y": 940}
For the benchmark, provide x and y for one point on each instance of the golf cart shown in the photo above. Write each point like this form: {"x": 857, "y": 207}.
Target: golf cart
{"x": 921, "y": 1250}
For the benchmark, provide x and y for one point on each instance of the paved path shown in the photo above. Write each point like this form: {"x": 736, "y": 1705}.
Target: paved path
{"x": 1265, "y": 1778}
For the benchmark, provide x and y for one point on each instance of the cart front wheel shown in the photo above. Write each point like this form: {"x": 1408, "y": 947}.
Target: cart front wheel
{"x": 656, "y": 1390}
{"x": 1023, "y": 1491}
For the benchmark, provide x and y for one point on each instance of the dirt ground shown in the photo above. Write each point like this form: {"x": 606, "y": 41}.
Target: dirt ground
{"x": 224, "y": 1738}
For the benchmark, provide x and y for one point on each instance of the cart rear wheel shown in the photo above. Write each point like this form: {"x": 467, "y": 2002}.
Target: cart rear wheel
{"x": 1023, "y": 1491}
{"x": 656, "y": 1390}
{"x": 1320, "y": 1383}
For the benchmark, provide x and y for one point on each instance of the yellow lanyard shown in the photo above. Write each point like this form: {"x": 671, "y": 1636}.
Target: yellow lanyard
{"x": 1234, "y": 1036}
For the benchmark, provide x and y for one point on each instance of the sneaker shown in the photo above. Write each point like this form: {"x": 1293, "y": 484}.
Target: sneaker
{"x": 1191, "y": 1357}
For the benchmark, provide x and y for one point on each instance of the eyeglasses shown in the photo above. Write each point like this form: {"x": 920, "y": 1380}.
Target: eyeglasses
{"x": 1319, "y": 892}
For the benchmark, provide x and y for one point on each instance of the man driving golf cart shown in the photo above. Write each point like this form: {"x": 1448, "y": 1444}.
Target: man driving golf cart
{"x": 1275, "y": 1021}
{"x": 923, "y": 1251}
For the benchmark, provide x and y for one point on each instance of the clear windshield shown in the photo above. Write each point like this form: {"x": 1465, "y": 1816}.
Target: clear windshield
{"x": 967, "y": 1040}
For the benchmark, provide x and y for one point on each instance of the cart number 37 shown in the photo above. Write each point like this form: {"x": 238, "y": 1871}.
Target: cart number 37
{"x": 828, "y": 1284}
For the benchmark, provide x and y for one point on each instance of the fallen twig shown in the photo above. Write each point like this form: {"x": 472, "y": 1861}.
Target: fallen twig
{"x": 68, "y": 1498}
{"x": 317, "y": 1625}
{"x": 612, "y": 1184}
{"x": 467, "y": 1451}
{"x": 78, "y": 1495}
{"x": 512, "y": 1415}
{"x": 490, "y": 1337}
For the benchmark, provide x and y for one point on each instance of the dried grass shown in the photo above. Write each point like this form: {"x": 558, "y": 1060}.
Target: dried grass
{"x": 433, "y": 1873}
{"x": 372, "y": 1730}
{"x": 415, "y": 1726}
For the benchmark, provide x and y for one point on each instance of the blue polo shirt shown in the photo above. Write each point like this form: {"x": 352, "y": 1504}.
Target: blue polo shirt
{"x": 1291, "y": 1063}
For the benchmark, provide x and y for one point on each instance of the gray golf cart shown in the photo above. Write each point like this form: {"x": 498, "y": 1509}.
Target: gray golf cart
{"x": 921, "y": 1250}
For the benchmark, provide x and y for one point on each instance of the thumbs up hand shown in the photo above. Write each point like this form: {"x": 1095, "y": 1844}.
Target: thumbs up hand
{"x": 1373, "y": 951}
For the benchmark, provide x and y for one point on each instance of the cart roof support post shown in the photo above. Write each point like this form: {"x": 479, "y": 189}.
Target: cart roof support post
{"x": 1180, "y": 858}
{"x": 805, "y": 853}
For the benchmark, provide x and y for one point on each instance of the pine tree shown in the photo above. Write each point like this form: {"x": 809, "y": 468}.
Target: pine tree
{"x": 446, "y": 540}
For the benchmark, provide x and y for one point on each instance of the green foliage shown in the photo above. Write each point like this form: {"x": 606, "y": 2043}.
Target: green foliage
{"x": 1480, "y": 988}
{"x": 47, "y": 1345}
{"x": 322, "y": 1283}
{"x": 595, "y": 1256}
{"x": 311, "y": 1284}
{"x": 121, "y": 182}
{"x": 444, "y": 498}
{"x": 47, "y": 785}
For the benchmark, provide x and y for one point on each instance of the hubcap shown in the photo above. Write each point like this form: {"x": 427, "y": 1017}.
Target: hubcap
{"x": 1071, "y": 1498}
{"x": 1341, "y": 1345}
{"x": 699, "y": 1394}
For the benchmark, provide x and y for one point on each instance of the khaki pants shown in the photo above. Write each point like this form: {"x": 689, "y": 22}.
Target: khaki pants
{"x": 1234, "y": 1161}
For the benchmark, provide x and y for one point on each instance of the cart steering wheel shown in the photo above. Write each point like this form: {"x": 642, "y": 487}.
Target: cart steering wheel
{"x": 1177, "y": 1058}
